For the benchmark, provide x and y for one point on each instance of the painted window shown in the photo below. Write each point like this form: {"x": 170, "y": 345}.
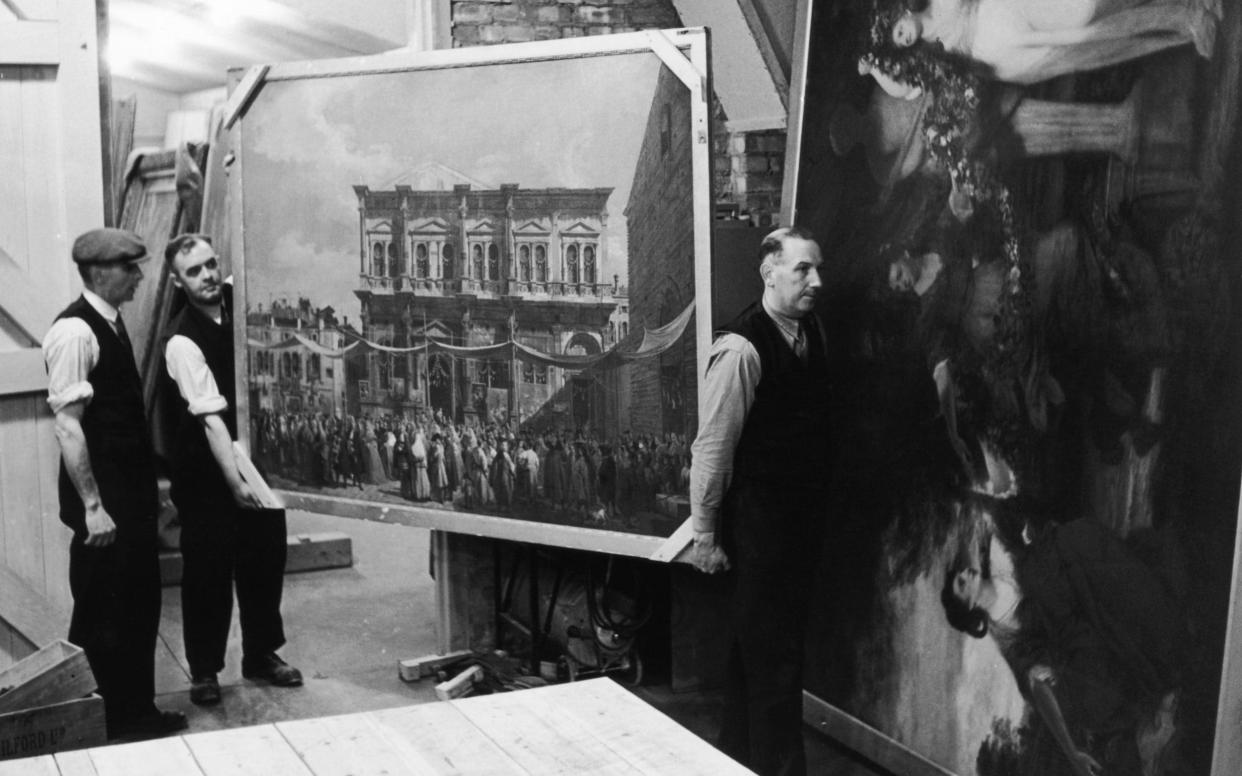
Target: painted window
{"x": 524, "y": 263}
{"x": 541, "y": 264}
{"x": 588, "y": 264}
{"x": 571, "y": 264}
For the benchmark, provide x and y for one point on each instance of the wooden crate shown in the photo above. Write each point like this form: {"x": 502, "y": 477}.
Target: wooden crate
{"x": 55, "y": 673}
{"x": 58, "y": 727}
{"x": 307, "y": 552}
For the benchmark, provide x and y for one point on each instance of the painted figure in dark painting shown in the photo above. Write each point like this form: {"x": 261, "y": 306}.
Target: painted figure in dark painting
{"x": 1094, "y": 636}
{"x": 1028, "y": 41}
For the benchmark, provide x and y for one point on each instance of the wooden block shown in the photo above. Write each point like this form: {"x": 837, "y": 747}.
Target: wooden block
{"x": 326, "y": 550}
{"x": 306, "y": 552}
{"x": 459, "y": 685}
{"x": 416, "y": 668}
{"x": 58, "y": 672}
{"x": 70, "y": 725}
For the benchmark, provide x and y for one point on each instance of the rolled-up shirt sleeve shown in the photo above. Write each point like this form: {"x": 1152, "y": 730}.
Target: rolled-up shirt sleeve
{"x": 733, "y": 371}
{"x": 188, "y": 368}
{"x": 70, "y": 352}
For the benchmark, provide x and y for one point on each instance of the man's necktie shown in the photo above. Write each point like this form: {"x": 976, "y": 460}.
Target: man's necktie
{"x": 799, "y": 344}
{"x": 122, "y": 334}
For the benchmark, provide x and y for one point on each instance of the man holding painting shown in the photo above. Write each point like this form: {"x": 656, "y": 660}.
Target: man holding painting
{"x": 757, "y": 496}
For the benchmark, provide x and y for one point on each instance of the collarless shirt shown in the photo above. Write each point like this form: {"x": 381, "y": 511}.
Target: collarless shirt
{"x": 71, "y": 351}
{"x": 733, "y": 373}
{"x": 187, "y": 366}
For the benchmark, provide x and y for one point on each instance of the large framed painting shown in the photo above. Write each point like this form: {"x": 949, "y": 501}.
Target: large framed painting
{"x": 1029, "y": 212}
{"x": 475, "y": 285}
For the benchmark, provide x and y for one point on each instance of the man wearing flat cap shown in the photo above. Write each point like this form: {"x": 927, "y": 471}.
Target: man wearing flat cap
{"x": 108, "y": 492}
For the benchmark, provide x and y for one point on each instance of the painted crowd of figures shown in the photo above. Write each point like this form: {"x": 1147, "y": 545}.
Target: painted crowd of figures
{"x": 433, "y": 461}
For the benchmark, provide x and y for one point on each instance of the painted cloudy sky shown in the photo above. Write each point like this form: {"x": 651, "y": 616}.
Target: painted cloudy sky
{"x": 571, "y": 123}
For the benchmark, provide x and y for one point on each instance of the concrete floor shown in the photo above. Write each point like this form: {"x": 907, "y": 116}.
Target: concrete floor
{"x": 348, "y": 628}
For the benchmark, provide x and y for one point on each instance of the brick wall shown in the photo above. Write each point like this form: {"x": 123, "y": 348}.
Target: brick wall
{"x": 516, "y": 21}
{"x": 747, "y": 167}
{"x": 659, "y": 219}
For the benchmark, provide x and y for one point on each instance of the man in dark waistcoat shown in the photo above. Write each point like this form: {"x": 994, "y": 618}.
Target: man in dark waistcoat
{"x": 757, "y": 494}
{"x": 108, "y": 492}
{"x": 228, "y": 538}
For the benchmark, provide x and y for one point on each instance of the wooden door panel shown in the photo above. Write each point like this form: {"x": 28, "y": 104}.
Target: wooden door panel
{"x": 51, "y": 190}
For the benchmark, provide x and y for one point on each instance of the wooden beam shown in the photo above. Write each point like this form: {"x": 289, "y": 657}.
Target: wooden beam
{"x": 29, "y": 43}
{"x": 778, "y": 69}
{"x": 880, "y": 748}
{"x": 29, "y": 612}
{"x": 23, "y": 302}
{"x": 240, "y": 97}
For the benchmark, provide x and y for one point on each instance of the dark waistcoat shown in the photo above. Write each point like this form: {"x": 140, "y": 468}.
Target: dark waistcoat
{"x": 117, "y": 438}
{"x": 195, "y": 474}
{"x": 785, "y": 439}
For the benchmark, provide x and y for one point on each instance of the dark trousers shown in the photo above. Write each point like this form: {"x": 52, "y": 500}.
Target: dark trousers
{"x": 774, "y": 537}
{"x": 116, "y": 616}
{"x": 223, "y": 546}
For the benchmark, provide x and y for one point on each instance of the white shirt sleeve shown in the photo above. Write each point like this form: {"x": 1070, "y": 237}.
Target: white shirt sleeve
{"x": 188, "y": 368}
{"x": 733, "y": 372}
{"x": 70, "y": 352}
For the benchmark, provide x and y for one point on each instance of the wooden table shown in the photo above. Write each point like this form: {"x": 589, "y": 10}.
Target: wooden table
{"x": 588, "y": 727}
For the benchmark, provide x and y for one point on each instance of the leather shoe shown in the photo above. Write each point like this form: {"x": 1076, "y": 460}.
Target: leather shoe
{"x": 205, "y": 690}
{"x": 273, "y": 670}
{"x": 154, "y": 725}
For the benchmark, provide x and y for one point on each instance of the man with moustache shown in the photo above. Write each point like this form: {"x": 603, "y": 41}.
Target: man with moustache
{"x": 227, "y": 538}
{"x": 108, "y": 491}
{"x": 757, "y": 494}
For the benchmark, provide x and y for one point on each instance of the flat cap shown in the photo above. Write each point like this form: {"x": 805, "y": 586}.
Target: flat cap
{"x": 108, "y": 245}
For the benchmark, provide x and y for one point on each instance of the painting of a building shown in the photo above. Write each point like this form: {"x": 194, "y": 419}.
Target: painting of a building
{"x": 475, "y": 267}
{"x": 295, "y": 378}
{"x": 660, "y": 221}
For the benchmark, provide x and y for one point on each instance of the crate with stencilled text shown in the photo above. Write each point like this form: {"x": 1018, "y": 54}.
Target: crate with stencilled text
{"x": 45, "y": 703}
{"x": 57, "y": 727}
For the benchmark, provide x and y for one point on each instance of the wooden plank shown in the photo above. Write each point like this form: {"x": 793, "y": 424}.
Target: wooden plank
{"x": 241, "y": 96}
{"x": 49, "y": 167}
{"x": 400, "y": 60}
{"x": 351, "y": 745}
{"x": 305, "y": 552}
{"x": 248, "y": 751}
{"x": 56, "y": 535}
{"x": 25, "y": 304}
{"x": 880, "y": 748}
{"x": 75, "y": 763}
{"x": 415, "y": 668}
{"x": 57, "y": 672}
{"x": 449, "y": 743}
{"x": 30, "y": 613}
{"x": 537, "y": 732}
{"x": 43, "y": 765}
{"x": 21, "y": 507}
{"x": 611, "y": 722}
{"x": 46, "y": 729}
{"x": 322, "y": 550}
{"x": 460, "y": 685}
{"x": 22, "y": 371}
{"x": 160, "y": 757}
{"x": 1226, "y": 750}
{"x": 30, "y": 42}
{"x": 570, "y": 536}
{"x": 13, "y": 229}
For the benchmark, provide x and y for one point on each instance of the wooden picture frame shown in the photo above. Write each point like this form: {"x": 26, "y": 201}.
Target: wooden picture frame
{"x": 489, "y": 302}
{"x": 1076, "y": 147}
